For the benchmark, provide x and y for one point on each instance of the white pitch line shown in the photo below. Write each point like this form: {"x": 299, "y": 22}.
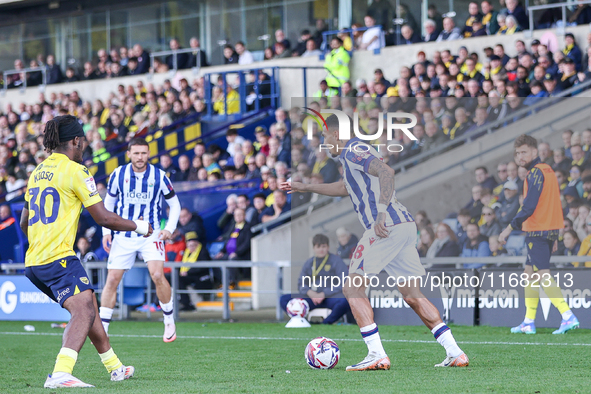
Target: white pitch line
{"x": 305, "y": 339}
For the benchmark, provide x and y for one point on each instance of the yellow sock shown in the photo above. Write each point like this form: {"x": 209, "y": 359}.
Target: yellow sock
{"x": 532, "y": 296}
{"x": 110, "y": 360}
{"x": 66, "y": 359}
{"x": 555, "y": 294}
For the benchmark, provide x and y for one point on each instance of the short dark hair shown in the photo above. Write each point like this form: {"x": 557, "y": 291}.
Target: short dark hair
{"x": 137, "y": 141}
{"x": 483, "y": 168}
{"x": 464, "y": 212}
{"x": 528, "y": 140}
{"x": 587, "y": 179}
{"x": 231, "y": 132}
{"x": 245, "y": 196}
{"x": 259, "y": 195}
{"x": 320, "y": 239}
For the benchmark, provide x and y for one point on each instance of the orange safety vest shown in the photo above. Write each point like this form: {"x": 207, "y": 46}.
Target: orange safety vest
{"x": 548, "y": 213}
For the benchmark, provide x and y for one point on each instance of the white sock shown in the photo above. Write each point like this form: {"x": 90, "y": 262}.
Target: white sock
{"x": 371, "y": 336}
{"x": 528, "y": 321}
{"x": 567, "y": 315}
{"x": 105, "y": 314}
{"x": 167, "y": 311}
{"x": 445, "y": 338}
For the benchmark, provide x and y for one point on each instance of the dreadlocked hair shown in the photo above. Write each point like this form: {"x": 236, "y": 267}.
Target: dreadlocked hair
{"x": 51, "y": 137}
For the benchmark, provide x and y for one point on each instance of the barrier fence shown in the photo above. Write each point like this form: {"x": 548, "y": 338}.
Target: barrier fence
{"x": 489, "y": 295}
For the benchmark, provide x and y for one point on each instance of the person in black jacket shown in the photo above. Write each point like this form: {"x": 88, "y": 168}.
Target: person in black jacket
{"x": 316, "y": 273}
{"x": 143, "y": 59}
{"x": 446, "y": 243}
{"x": 197, "y": 54}
{"x": 191, "y": 221}
{"x": 54, "y": 73}
{"x": 181, "y": 58}
{"x": 237, "y": 245}
{"x": 199, "y": 277}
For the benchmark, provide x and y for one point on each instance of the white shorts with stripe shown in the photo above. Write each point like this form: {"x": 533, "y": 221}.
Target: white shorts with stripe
{"x": 124, "y": 251}
{"x": 396, "y": 254}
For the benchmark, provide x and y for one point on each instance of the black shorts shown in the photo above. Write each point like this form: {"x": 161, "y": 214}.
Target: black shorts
{"x": 60, "y": 279}
{"x": 539, "y": 250}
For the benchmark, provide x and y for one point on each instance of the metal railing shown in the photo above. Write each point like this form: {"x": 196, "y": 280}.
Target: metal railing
{"x": 174, "y": 53}
{"x": 25, "y": 71}
{"x": 563, "y": 6}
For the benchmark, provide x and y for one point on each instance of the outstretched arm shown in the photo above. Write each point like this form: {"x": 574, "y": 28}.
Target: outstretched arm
{"x": 335, "y": 189}
{"x": 112, "y": 221}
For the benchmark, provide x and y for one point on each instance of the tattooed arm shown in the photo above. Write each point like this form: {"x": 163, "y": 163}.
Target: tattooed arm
{"x": 385, "y": 174}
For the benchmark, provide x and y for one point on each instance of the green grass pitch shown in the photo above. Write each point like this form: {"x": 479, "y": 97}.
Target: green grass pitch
{"x": 255, "y": 358}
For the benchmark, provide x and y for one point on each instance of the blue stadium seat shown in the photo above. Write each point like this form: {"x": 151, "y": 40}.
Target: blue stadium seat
{"x": 135, "y": 282}
{"x": 214, "y": 248}
{"x": 515, "y": 245}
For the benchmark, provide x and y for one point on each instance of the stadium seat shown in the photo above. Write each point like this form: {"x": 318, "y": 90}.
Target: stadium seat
{"x": 515, "y": 245}
{"x": 135, "y": 282}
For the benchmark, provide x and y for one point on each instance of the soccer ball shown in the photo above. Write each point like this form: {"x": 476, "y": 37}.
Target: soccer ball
{"x": 322, "y": 353}
{"x": 297, "y": 307}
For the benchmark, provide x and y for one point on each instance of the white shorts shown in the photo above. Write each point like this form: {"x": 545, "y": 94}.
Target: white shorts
{"x": 124, "y": 250}
{"x": 397, "y": 254}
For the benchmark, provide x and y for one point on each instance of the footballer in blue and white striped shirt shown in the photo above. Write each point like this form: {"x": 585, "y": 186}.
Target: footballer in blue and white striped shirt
{"x": 136, "y": 191}
{"x": 388, "y": 243}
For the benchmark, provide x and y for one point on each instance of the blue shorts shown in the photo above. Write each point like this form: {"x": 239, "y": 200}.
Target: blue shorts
{"x": 61, "y": 279}
{"x": 539, "y": 250}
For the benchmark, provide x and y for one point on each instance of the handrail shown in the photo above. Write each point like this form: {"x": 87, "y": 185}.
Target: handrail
{"x": 175, "y": 65}
{"x": 532, "y": 8}
{"x": 25, "y": 71}
{"x": 488, "y": 127}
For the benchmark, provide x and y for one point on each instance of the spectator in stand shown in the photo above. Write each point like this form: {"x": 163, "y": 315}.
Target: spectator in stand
{"x": 230, "y": 56}
{"x": 496, "y": 249}
{"x": 581, "y": 15}
{"x": 280, "y": 51}
{"x": 489, "y": 18}
{"x": 198, "y": 277}
{"x": 190, "y": 221}
{"x": 143, "y": 59}
{"x": 382, "y": 12}
{"x": 475, "y": 205}
{"x": 409, "y": 35}
{"x": 197, "y": 58}
{"x": 474, "y": 14}
{"x": 182, "y": 59}
{"x": 326, "y": 167}
{"x": 515, "y": 9}
{"x": 450, "y": 32}
{"x": 280, "y": 38}
{"x": 274, "y": 211}
{"x": 373, "y": 37}
{"x": 168, "y": 166}
{"x": 184, "y": 170}
{"x": 484, "y": 179}
{"x": 491, "y": 225}
{"x": 572, "y": 244}
{"x": 311, "y": 49}
{"x": 269, "y": 53}
{"x": 337, "y": 64}
{"x": 54, "y": 73}
{"x": 426, "y": 238}
{"x": 244, "y": 55}
{"x": 431, "y": 32}
{"x": 511, "y": 26}
{"x": 347, "y": 243}
{"x": 475, "y": 246}
{"x": 323, "y": 267}
{"x": 233, "y": 140}
{"x": 302, "y": 44}
{"x": 446, "y": 243}
{"x": 510, "y": 204}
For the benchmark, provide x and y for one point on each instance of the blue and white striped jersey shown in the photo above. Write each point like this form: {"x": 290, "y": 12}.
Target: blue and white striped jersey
{"x": 364, "y": 189}
{"x": 139, "y": 194}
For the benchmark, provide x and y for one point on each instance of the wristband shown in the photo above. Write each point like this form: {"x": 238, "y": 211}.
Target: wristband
{"x": 382, "y": 208}
{"x": 142, "y": 227}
